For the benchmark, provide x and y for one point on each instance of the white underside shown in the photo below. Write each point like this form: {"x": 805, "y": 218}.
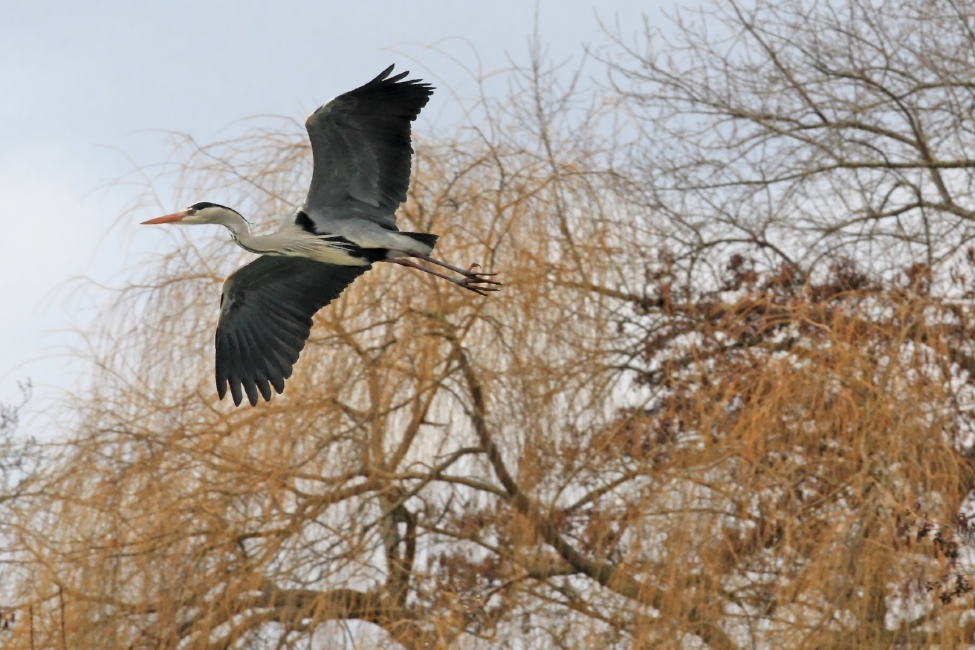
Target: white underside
{"x": 292, "y": 241}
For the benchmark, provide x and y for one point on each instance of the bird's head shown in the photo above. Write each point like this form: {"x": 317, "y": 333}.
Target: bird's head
{"x": 202, "y": 212}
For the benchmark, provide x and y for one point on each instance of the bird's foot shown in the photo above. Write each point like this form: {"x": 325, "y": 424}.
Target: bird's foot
{"x": 478, "y": 283}
{"x": 478, "y": 277}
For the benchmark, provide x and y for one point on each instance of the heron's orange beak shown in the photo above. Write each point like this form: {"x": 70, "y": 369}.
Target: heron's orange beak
{"x": 169, "y": 218}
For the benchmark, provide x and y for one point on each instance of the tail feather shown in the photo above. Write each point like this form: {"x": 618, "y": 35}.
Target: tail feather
{"x": 425, "y": 238}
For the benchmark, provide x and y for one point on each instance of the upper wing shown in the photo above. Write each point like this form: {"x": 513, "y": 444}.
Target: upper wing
{"x": 361, "y": 145}
{"x": 265, "y": 316}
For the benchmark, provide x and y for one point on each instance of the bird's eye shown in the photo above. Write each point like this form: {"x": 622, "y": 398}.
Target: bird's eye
{"x": 190, "y": 210}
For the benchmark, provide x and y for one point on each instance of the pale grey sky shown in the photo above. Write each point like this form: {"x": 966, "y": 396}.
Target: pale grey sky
{"x": 83, "y": 84}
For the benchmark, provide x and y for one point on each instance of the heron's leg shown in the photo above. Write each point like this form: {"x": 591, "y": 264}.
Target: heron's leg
{"x": 467, "y": 273}
{"x": 467, "y": 282}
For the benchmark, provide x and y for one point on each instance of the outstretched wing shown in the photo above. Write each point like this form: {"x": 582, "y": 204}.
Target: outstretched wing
{"x": 361, "y": 145}
{"x": 265, "y": 317}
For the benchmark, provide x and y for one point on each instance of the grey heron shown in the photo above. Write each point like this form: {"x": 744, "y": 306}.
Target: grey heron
{"x": 361, "y": 154}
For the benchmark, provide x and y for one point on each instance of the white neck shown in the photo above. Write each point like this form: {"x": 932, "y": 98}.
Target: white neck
{"x": 223, "y": 217}
{"x": 260, "y": 244}
{"x": 234, "y": 223}
{"x": 241, "y": 234}
{"x": 288, "y": 240}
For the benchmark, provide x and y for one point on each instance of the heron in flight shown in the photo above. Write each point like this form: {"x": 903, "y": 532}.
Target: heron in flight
{"x": 360, "y": 144}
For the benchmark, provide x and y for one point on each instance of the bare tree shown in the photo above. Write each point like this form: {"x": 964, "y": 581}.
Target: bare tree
{"x": 809, "y": 130}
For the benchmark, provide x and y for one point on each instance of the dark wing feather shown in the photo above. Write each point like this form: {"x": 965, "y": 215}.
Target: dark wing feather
{"x": 361, "y": 145}
{"x": 265, "y": 317}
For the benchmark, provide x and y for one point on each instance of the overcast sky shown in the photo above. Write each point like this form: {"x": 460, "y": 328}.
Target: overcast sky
{"x": 85, "y": 88}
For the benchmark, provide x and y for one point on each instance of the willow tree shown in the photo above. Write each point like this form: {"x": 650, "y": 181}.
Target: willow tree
{"x": 401, "y": 481}
{"x": 670, "y": 429}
